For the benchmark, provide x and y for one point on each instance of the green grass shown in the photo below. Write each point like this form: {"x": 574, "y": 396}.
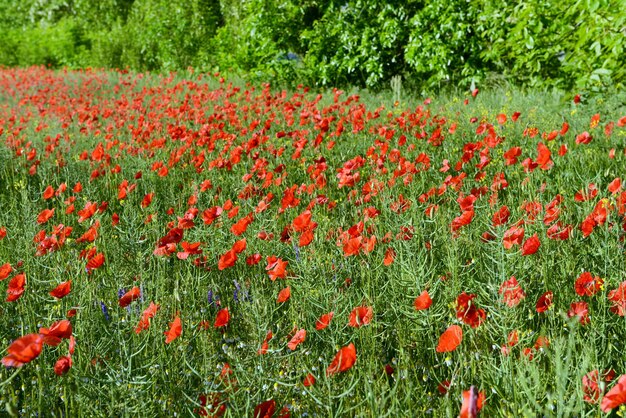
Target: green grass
{"x": 117, "y": 372}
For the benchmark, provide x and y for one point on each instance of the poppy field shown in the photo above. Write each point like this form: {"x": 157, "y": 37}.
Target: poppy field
{"x": 184, "y": 245}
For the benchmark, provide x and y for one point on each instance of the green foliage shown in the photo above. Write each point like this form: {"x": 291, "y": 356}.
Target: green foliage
{"x": 359, "y": 42}
{"x": 542, "y": 43}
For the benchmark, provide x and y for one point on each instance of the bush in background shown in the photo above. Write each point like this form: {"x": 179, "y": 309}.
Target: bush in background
{"x": 431, "y": 44}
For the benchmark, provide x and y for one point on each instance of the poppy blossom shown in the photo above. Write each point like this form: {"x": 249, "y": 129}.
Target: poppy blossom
{"x": 579, "y": 310}
{"x": 617, "y": 297}
{"x": 544, "y": 302}
{"x": 147, "y": 200}
{"x": 472, "y": 403}
{"x": 23, "y": 350}
{"x": 228, "y": 259}
{"x": 360, "y": 316}
{"x": 62, "y": 365}
{"x": 513, "y": 236}
{"x": 297, "y": 339}
{"x": 95, "y": 262}
{"x": 309, "y": 380}
{"x": 284, "y": 295}
{"x": 129, "y": 296}
{"x": 265, "y": 343}
{"x": 87, "y": 212}
{"x": 58, "y": 331}
{"x": 531, "y": 245}
{"x": 45, "y": 215}
{"x": 591, "y": 389}
{"x": 62, "y": 290}
{"x": 240, "y": 246}
{"x": 423, "y": 301}
{"x": 5, "y": 270}
{"x": 450, "y": 339}
{"x": 222, "y": 318}
{"x": 352, "y": 246}
{"x": 587, "y": 285}
{"x": 176, "y": 328}
{"x": 324, "y": 321}
{"x": 265, "y": 409}
{"x": 390, "y": 255}
{"x": 467, "y": 311}
{"x": 501, "y": 216}
{"x": 192, "y": 248}
{"x": 148, "y": 313}
{"x": 276, "y": 268}
{"x": 512, "y": 292}
{"x": 616, "y": 396}
{"x": 344, "y": 360}
{"x": 48, "y": 193}
{"x": 15, "y": 290}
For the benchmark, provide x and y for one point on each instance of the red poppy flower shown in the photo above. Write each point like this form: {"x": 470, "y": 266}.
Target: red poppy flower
{"x": 23, "y": 350}
{"x": 16, "y": 287}
{"x": 284, "y": 295}
{"x": 583, "y": 138}
{"x": 265, "y": 409}
{"x": 62, "y": 290}
{"x": 253, "y": 259}
{"x": 324, "y": 321}
{"x": 423, "y": 301}
{"x": 591, "y": 390}
{"x": 544, "y": 302}
{"x": 390, "y": 255}
{"x": 147, "y": 200}
{"x": 90, "y": 235}
{"x": 297, "y": 339}
{"x": 513, "y": 236}
{"x": 344, "y": 360}
{"x": 148, "y": 313}
{"x": 176, "y": 328}
{"x": 580, "y": 310}
{"x": 265, "y": 343}
{"x": 467, "y": 311}
{"x": 276, "y": 268}
{"x": 360, "y": 316}
{"x": 222, "y": 318}
{"x": 472, "y": 403}
{"x": 129, "y": 296}
{"x": 587, "y": 285}
{"x": 95, "y": 262}
{"x": 512, "y": 292}
{"x": 58, "y": 331}
{"x": 531, "y": 245}
{"x": 309, "y": 380}
{"x": 616, "y": 396}
{"x": 48, "y": 193}
{"x": 501, "y": 216}
{"x": 618, "y": 299}
{"x": 45, "y": 215}
{"x": 352, "y": 246}
{"x": 464, "y": 219}
{"x": 450, "y": 339}
{"x": 87, "y": 212}
{"x": 5, "y": 270}
{"x": 227, "y": 260}
{"x": 63, "y": 365}
{"x": 240, "y": 246}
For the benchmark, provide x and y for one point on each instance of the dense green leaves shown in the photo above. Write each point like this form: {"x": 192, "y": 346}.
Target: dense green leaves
{"x": 432, "y": 44}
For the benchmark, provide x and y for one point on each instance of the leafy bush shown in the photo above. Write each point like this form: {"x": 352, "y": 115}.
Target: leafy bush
{"x": 541, "y": 43}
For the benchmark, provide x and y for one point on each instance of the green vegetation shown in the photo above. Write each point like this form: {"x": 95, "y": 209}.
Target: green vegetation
{"x": 431, "y": 44}
{"x": 141, "y": 188}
